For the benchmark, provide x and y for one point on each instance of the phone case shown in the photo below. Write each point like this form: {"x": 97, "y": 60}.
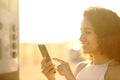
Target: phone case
{"x": 44, "y": 52}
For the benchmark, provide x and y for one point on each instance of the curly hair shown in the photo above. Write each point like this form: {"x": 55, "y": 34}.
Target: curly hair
{"x": 106, "y": 24}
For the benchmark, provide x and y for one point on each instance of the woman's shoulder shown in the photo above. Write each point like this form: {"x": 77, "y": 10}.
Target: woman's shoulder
{"x": 113, "y": 72}
{"x": 80, "y": 66}
{"x": 114, "y": 65}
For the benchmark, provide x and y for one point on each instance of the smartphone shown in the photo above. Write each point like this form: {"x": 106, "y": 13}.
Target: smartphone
{"x": 44, "y": 52}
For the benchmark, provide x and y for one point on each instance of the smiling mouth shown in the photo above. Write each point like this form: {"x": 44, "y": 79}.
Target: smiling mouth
{"x": 84, "y": 45}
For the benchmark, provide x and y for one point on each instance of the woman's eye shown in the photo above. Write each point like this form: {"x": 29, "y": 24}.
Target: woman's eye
{"x": 87, "y": 32}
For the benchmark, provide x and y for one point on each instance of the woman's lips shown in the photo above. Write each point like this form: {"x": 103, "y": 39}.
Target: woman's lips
{"x": 84, "y": 45}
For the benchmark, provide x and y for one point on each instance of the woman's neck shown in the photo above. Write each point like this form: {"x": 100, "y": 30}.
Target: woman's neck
{"x": 99, "y": 59}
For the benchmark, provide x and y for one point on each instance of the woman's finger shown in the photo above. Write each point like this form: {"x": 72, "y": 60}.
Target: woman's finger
{"x": 43, "y": 63}
{"x": 48, "y": 68}
{"x": 59, "y": 60}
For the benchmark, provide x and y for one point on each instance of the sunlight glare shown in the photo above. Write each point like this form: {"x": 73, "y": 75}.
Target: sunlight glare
{"x": 54, "y": 20}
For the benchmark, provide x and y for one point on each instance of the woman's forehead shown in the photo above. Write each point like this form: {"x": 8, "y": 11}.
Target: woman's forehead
{"x": 86, "y": 25}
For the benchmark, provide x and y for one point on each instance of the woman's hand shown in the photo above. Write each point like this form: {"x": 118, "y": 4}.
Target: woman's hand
{"x": 48, "y": 69}
{"x": 64, "y": 69}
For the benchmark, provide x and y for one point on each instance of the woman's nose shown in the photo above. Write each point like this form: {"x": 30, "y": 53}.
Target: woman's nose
{"x": 82, "y": 37}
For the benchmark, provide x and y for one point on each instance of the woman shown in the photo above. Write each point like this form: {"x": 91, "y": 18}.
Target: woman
{"x": 100, "y": 38}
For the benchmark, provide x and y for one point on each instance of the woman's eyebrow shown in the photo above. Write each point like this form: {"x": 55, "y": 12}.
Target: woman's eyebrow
{"x": 86, "y": 28}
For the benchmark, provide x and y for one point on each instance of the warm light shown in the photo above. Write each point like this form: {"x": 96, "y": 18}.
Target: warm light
{"x": 76, "y": 46}
{"x": 54, "y": 20}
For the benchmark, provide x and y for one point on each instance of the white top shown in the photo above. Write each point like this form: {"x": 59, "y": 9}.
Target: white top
{"x": 93, "y": 72}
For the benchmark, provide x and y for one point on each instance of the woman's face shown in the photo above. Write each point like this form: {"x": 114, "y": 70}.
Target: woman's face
{"x": 88, "y": 37}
